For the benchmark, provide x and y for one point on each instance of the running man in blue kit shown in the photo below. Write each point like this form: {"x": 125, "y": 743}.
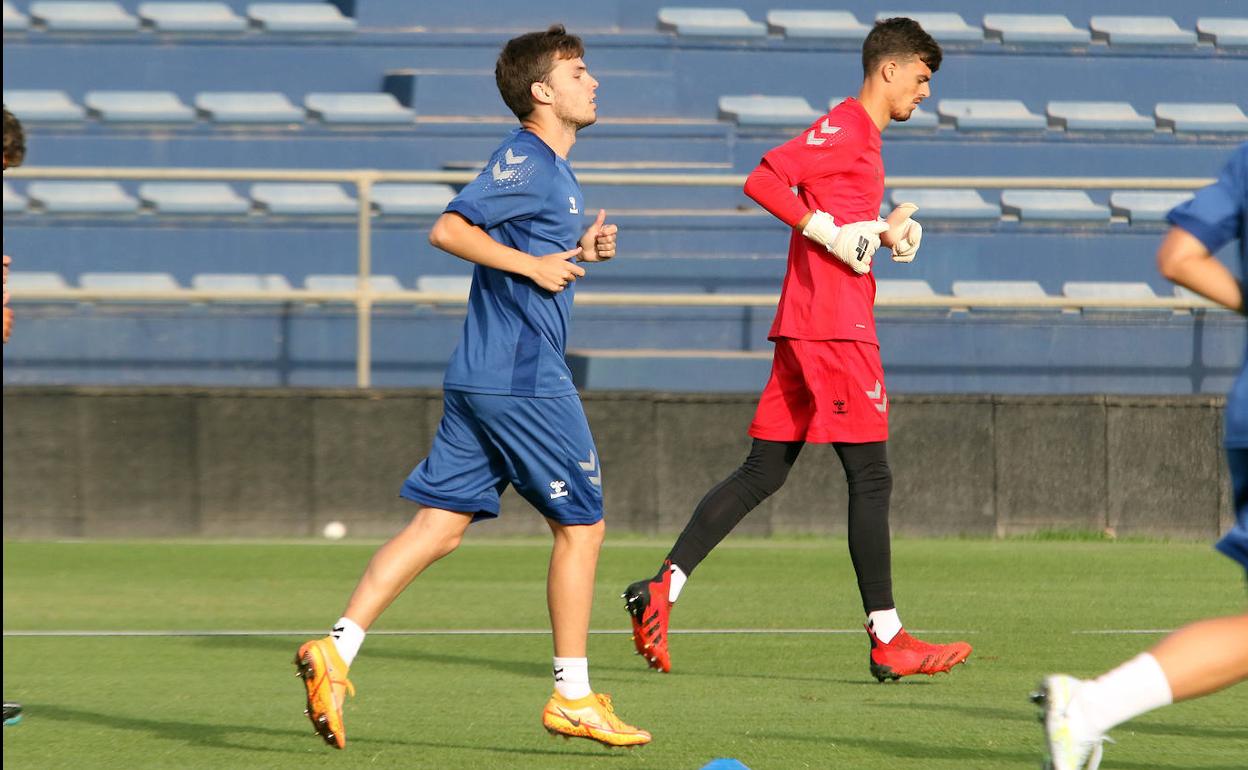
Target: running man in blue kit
{"x": 1209, "y": 655}
{"x": 511, "y": 413}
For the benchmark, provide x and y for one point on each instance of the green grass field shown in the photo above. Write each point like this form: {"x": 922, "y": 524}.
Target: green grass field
{"x": 773, "y": 698}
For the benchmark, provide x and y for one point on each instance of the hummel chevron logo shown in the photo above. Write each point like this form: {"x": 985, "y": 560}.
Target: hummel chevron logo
{"x": 590, "y": 467}
{"x": 826, "y": 129}
{"x": 878, "y": 397}
{"x": 511, "y": 159}
{"x": 337, "y": 631}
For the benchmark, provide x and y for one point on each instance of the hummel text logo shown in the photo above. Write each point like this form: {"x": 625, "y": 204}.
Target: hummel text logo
{"x": 558, "y": 489}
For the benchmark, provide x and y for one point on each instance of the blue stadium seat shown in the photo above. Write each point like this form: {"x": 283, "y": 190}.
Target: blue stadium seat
{"x": 993, "y": 289}
{"x": 96, "y": 16}
{"x": 43, "y": 106}
{"x": 33, "y": 280}
{"x": 302, "y": 18}
{"x": 1107, "y": 289}
{"x": 412, "y": 199}
{"x": 124, "y": 281}
{"x": 15, "y": 20}
{"x": 347, "y": 108}
{"x": 710, "y": 22}
{"x": 990, "y": 115}
{"x": 239, "y": 282}
{"x": 902, "y": 288}
{"x": 193, "y": 198}
{"x": 1140, "y": 30}
{"x": 1027, "y": 29}
{"x": 1145, "y": 207}
{"x": 1189, "y": 118}
{"x": 1221, "y": 31}
{"x": 248, "y": 107}
{"x": 303, "y": 199}
{"x": 323, "y": 282}
{"x": 449, "y": 284}
{"x": 1098, "y": 116}
{"x": 1053, "y": 206}
{"x": 191, "y": 17}
{"x": 945, "y": 27}
{"x": 767, "y": 110}
{"x": 14, "y": 202}
{"x": 139, "y": 107}
{"x": 820, "y": 25}
{"x": 935, "y": 203}
{"x": 82, "y": 198}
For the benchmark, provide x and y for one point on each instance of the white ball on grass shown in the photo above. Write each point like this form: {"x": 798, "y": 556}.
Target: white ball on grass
{"x": 335, "y": 530}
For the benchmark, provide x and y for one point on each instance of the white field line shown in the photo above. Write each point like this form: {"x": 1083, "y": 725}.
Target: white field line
{"x": 441, "y": 632}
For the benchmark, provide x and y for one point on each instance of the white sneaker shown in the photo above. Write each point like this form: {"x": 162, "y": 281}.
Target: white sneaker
{"x": 1072, "y": 745}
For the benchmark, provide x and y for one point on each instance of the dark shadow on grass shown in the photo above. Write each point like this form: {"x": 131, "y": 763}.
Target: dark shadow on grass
{"x": 1020, "y": 714}
{"x": 1187, "y": 731}
{"x": 217, "y": 736}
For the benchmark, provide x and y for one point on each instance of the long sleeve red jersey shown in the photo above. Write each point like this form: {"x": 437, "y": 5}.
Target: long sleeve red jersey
{"x": 836, "y": 167}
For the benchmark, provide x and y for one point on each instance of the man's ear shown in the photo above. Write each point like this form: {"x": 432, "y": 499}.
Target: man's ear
{"x": 541, "y": 93}
{"x": 888, "y": 70}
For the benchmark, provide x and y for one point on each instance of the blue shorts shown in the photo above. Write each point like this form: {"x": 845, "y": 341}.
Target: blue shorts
{"x": 1235, "y": 542}
{"x": 540, "y": 446}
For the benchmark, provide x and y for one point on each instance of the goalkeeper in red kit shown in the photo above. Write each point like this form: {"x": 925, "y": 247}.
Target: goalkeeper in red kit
{"x": 827, "y": 383}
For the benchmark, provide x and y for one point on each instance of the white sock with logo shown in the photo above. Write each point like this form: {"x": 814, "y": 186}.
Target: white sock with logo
{"x": 677, "y": 583}
{"x": 572, "y": 677}
{"x": 884, "y": 624}
{"x": 1135, "y": 687}
{"x": 348, "y": 637}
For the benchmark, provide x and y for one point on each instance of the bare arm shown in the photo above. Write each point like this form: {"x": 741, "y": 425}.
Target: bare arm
{"x": 1182, "y": 258}
{"x": 459, "y": 237}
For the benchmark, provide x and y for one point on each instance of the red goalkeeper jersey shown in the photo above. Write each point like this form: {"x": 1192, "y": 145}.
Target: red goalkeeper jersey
{"x": 836, "y": 167}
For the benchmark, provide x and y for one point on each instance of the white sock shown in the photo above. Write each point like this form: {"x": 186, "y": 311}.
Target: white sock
{"x": 348, "y": 637}
{"x": 1135, "y": 687}
{"x": 572, "y": 677}
{"x": 678, "y": 582}
{"x": 884, "y": 624}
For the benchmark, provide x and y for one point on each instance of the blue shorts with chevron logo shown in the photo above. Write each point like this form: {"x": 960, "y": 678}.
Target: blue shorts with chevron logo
{"x": 540, "y": 446}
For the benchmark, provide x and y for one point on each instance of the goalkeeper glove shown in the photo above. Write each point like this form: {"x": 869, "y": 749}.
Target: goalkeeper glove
{"x": 854, "y": 243}
{"x": 904, "y": 232}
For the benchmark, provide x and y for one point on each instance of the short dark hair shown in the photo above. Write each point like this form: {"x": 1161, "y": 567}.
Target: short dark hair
{"x": 902, "y": 38}
{"x": 14, "y": 140}
{"x": 528, "y": 59}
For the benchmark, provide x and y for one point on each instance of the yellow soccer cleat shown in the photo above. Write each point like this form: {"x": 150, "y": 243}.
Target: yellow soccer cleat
{"x": 325, "y": 676}
{"x": 591, "y": 717}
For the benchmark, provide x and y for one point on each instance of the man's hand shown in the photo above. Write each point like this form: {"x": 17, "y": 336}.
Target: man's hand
{"x": 554, "y": 272}
{"x": 854, "y": 244}
{"x": 8, "y": 324}
{"x": 904, "y": 233}
{"x": 598, "y": 242}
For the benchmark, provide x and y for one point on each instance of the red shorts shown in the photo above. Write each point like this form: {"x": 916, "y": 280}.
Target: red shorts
{"x": 823, "y": 392}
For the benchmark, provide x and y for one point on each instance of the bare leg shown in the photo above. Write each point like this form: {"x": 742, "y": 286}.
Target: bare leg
{"x": 570, "y": 584}
{"x": 432, "y": 534}
{"x": 1205, "y": 656}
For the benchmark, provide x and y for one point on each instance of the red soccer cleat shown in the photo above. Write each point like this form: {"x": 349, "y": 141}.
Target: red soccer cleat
{"x": 648, "y": 607}
{"x": 905, "y": 655}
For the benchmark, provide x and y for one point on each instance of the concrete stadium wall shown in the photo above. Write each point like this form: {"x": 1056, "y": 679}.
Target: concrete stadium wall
{"x": 84, "y": 462}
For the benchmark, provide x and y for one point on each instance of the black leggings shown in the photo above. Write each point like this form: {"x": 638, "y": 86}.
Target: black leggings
{"x": 763, "y": 472}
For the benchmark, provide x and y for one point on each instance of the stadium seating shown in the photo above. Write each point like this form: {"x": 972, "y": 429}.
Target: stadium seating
{"x": 303, "y": 18}
{"x": 185, "y": 17}
{"x": 94, "y": 16}
{"x": 1032, "y": 29}
{"x": 1140, "y": 30}
{"x": 1024, "y": 93}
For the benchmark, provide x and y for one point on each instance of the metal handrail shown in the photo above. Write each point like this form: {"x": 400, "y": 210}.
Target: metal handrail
{"x": 364, "y": 297}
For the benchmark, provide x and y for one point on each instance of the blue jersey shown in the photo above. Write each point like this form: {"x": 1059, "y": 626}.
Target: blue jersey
{"x": 515, "y": 334}
{"x": 1216, "y": 216}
